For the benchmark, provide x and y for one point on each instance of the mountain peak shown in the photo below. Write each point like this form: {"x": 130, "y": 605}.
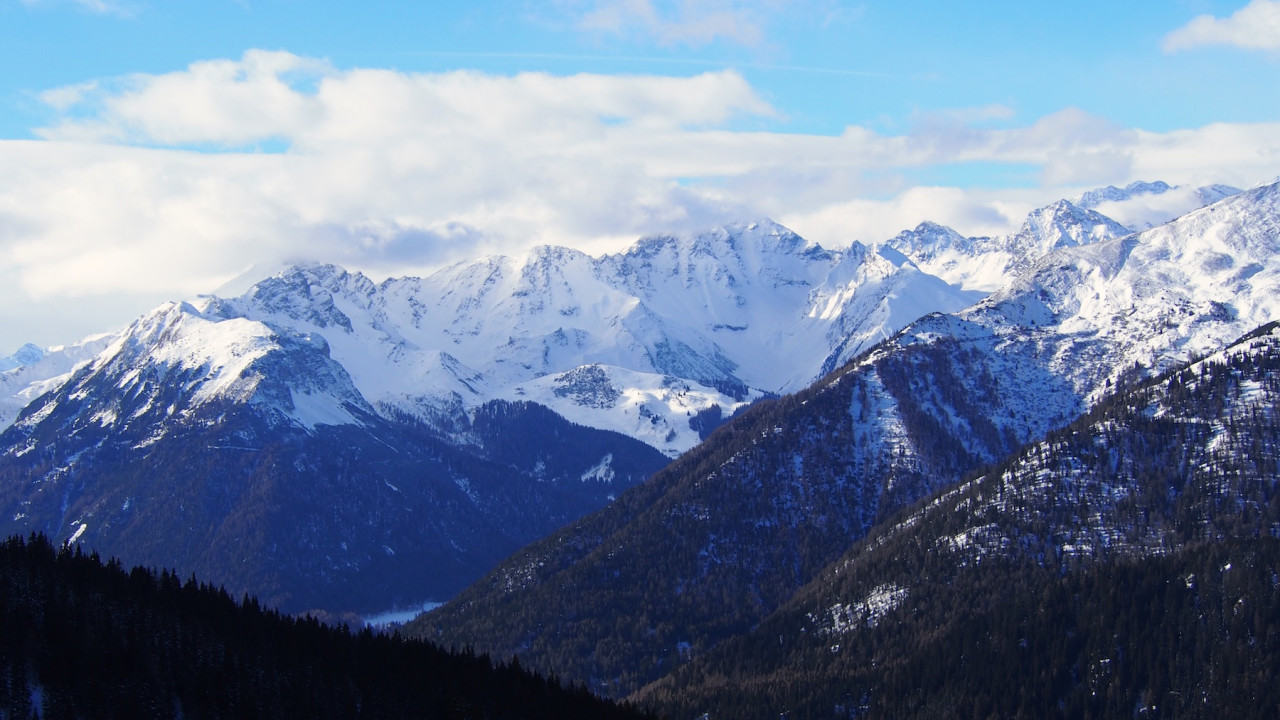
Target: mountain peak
{"x": 25, "y": 355}
{"x": 774, "y": 237}
{"x": 762, "y": 235}
{"x": 554, "y": 254}
{"x": 930, "y": 227}
{"x": 1058, "y": 225}
{"x": 928, "y": 237}
{"x": 1111, "y": 193}
{"x": 305, "y": 292}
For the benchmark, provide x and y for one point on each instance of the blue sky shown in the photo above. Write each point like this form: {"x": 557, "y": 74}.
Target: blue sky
{"x": 153, "y": 150}
{"x": 824, "y": 64}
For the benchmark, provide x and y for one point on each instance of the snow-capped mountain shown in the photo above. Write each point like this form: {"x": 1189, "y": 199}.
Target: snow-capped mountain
{"x": 1204, "y": 195}
{"x": 246, "y": 454}
{"x": 672, "y": 328}
{"x": 33, "y": 371}
{"x": 28, "y": 354}
{"x": 1150, "y": 300}
{"x": 1085, "y": 319}
{"x": 507, "y": 396}
{"x": 1093, "y": 198}
{"x": 322, "y": 432}
{"x": 676, "y": 326}
{"x": 745, "y": 520}
{"x": 1057, "y": 226}
{"x": 989, "y": 263}
{"x": 178, "y": 365}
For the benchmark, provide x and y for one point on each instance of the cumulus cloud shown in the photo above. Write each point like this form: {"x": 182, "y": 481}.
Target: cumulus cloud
{"x": 873, "y": 220}
{"x": 279, "y": 96}
{"x": 1256, "y": 26}
{"x": 1146, "y": 211}
{"x": 156, "y": 187}
{"x": 221, "y": 102}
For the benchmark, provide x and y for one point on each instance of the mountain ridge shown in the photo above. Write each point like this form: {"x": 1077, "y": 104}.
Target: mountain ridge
{"x": 401, "y": 391}
{"x": 943, "y": 396}
{"x": 1176, "y": 467}
{"x": 697, "y": 308}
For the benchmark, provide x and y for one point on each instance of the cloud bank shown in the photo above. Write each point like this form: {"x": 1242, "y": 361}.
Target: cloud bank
{"x": 156, "y": 187}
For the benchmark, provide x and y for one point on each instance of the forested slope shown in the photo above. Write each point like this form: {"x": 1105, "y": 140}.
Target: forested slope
{"x": 1125, "y": 565}
{"x": 81, "y": 639}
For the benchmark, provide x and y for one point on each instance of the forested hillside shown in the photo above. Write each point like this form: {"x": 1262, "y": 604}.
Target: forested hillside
{"x": 81, "y": 639}
{"x": 1194, "y": 634}
{"x": 1125, "y": 565}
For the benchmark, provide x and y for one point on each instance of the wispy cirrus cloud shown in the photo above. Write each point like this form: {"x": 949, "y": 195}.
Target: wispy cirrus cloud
{"x": 680, "y": 22}
{"x": 1256, "y": 26}
{"x": 101, "y": 7}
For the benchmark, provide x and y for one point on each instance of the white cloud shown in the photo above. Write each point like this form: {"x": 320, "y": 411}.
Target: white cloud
{"x": 965, "y": 116}
{"x": 397, "y": 173}
{"x": 1256, "y": 26}
{"x": 1146, "y": 211}
{"x": 64, "y": 98}
{"x": 872, "y": 220}
{"x": 226, "y": 102}
{"x": 278, "y": 95}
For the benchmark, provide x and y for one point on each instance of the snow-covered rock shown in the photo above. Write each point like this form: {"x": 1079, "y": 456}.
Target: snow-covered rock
{"x": 33, "y": 371}
{"x": 25, "y": 355}
{"x": 989, "y": 263}
{"x": 678, "y": 324}
{"x": 1086, "y": 318}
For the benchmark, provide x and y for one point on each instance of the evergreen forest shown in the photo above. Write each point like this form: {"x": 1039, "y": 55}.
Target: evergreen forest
{"x": 86, "y": 639}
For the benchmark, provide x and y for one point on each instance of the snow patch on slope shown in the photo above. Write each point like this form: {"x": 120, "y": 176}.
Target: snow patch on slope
{"x": 654, "y": 408}
{"x": 32, "y": 374}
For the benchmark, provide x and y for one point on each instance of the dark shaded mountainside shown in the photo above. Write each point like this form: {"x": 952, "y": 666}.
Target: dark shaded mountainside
{"x": 347, "y": 518}
{"x": 1127, "y": 565}
{"x": 1127, "y": 561}
{"x": 85, "y": 640}
{"x": 1192, "y": 634}
{"x": 721, "y": 537}
{"x": 728, "y": 534}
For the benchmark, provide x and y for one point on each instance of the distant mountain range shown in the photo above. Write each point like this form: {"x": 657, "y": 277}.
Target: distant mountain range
{"x": 332, "y": 444}
{"x": 674, "y": 325}
{"x": 340, "y": 445}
